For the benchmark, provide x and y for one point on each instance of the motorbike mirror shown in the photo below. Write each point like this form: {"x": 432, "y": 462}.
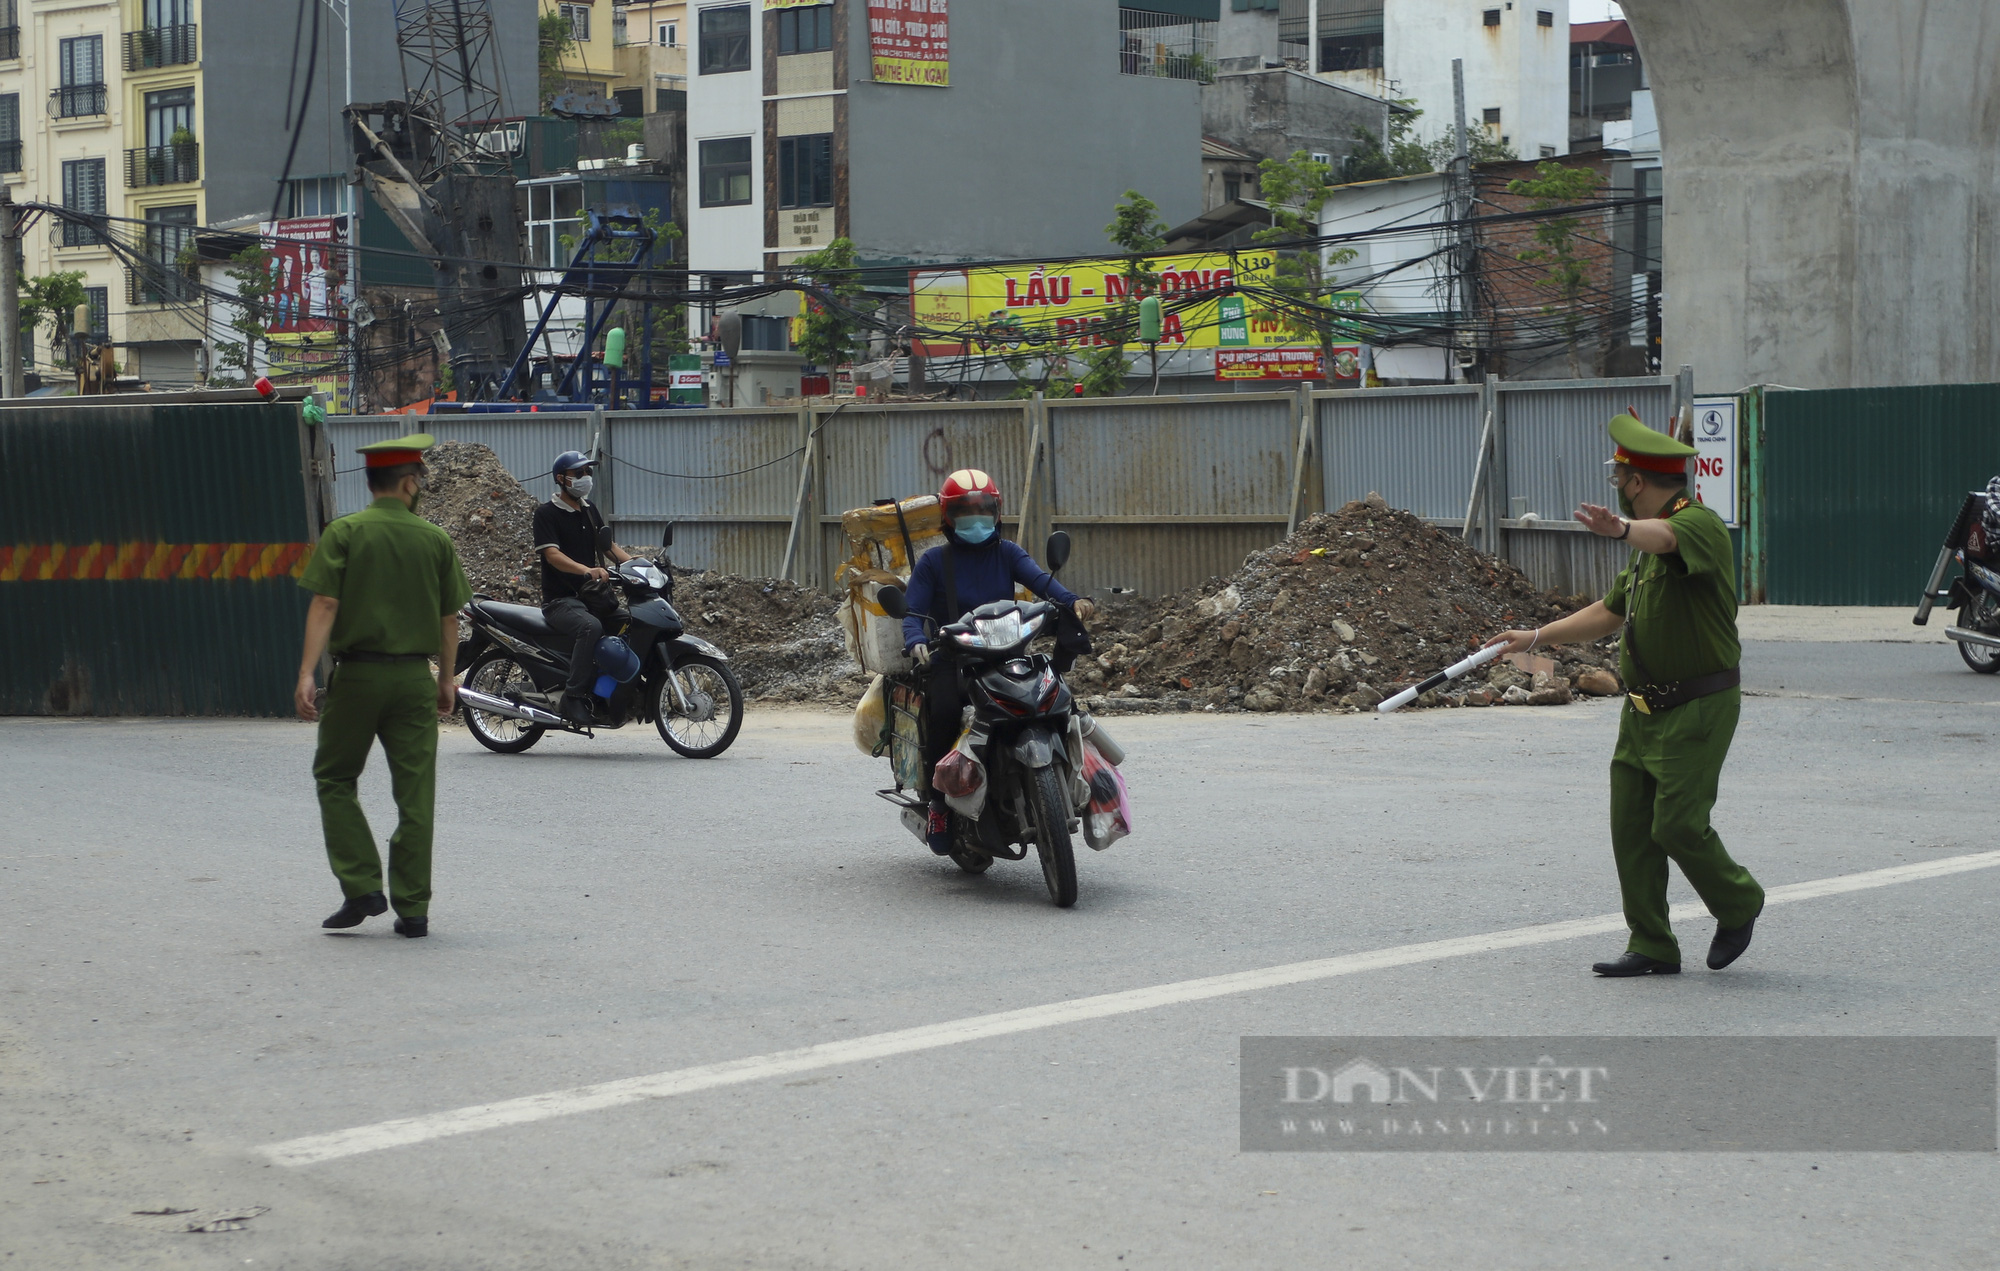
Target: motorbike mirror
{"x": 1058, "y": 552}
{"x": 892, "y": 602}
{"x": 667, "y": 536}
{"x": 604, "y": 540}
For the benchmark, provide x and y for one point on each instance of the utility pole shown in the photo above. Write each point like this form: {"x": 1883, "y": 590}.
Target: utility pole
{"x": 1461, "y": 206}
{"x": 1312, "y": 44}
{"x": 10, "y": 300}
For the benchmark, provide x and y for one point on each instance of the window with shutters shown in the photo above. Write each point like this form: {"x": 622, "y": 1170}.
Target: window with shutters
{"x": 1492, "y": 17}
{"x": 578, "y": 17}
{"x": 80, "y": 62}
{"x": 1544, "y": 18}
{"x": 82, "y": 191}
{"x": 10, "y": 132}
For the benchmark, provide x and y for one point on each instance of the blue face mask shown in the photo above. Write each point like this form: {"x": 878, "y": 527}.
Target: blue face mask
{"x": 974, "y": 529}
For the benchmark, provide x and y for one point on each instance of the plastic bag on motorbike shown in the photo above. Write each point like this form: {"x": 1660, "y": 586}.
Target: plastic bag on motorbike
{"x": 961, "y": 778}
{"x": 1108, "y": 816}
{"x": 871, "y": 720}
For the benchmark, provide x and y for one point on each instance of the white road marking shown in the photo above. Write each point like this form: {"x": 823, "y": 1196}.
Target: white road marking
{"x": 610, "y": 1094}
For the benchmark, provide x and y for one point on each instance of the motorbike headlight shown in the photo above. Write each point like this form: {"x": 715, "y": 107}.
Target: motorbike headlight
{"x": 1033, "y": 626}
{"x": 1003, "y": 632}
{"x": 656, "y": 577}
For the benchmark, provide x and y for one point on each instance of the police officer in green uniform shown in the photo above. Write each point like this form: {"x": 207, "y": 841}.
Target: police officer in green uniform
{"x": 1676, "y": 601}
{"x": 387, "y": 588}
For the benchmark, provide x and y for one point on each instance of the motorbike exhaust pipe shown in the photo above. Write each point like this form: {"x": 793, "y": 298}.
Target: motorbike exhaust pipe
{"x": 509, "y": 710}
{"x": 1096, "y": 733}
{"x": 1963, "y": 636}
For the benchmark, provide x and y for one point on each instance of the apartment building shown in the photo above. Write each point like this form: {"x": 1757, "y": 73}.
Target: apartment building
{"x": 925, "y": 133}
{"x": 596, "y": 29}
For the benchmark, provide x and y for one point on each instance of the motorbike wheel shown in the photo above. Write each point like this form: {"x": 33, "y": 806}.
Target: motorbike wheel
{"x": 498, "y": 674}
{"x": 715, "y": 709}
{"x": 1978, "y": 615}
{"x": 1051, "y": 813}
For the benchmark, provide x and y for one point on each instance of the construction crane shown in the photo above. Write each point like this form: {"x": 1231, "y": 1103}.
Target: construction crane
{"x": 435, "y": 165}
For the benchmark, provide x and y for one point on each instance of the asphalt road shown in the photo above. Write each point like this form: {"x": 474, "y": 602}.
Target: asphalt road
{"x": 605, "y": 911}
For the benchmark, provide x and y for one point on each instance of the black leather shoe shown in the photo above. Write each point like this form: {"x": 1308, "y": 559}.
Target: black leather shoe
{"x": 413, "y": 927}
{"x": 1630, "y": 963}
{"x": 358, "y": 909}
{"x": 1729, "y": 945}
{"x": 576, "y": 709}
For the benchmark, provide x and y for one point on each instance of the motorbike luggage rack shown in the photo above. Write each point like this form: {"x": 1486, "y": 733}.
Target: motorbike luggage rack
{"x": 903, "y": 799}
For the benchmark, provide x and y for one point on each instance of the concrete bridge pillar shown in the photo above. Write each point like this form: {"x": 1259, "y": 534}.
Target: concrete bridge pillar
{"x": 1832, "y": 182}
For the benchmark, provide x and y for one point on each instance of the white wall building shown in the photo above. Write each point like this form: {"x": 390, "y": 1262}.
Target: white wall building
{"x": 1403, "y": 278}
{"x": 725, "y": 135}
{"x": 1516, "y": 55}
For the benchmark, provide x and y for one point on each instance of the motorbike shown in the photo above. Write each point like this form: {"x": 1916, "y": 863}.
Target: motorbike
{"x": 1017, "y": 780}
{"x": 1975, "y": 594}
{"x": 650, "y": 669}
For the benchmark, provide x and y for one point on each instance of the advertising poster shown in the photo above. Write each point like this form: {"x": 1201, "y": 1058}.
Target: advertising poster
{"x": 308, "y": 273}
{"x": 1009, "y": 308}
{"x": 1281, "y": 364}
{"x": 908, "y": 42}
{"x": 314, "y": 359}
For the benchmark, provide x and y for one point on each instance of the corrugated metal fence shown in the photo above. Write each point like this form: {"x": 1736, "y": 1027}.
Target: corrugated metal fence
{"x": 1159, "y": 493}
{"x": 1859, "y": 486}
{"x": 149, "y": 558}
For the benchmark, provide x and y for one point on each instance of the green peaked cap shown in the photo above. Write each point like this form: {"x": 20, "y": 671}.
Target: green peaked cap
{"x": 1633, "y": 437}
{"x": 417, "y": 441}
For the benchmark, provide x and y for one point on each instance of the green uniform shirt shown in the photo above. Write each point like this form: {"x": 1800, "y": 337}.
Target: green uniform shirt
{"x": 394, "y": 574}
{"x": 1683, "y": 604}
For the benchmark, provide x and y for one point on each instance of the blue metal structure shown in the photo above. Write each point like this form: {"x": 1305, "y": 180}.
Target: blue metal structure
{"x": 599, "y": 282}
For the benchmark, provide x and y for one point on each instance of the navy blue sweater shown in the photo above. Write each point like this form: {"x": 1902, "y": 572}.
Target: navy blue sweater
{"x": 985, "y": 573}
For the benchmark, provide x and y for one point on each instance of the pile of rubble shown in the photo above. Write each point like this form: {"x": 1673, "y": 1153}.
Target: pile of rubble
{"x": 782, "y": 639}
{"x": 1355, "y": 605}
{"x": 489, "y": 515}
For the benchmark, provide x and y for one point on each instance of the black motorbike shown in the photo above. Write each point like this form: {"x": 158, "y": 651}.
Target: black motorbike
{"x": 650, "y": 669}
{"x": 1975, "y": 594}
{"x": 1025, "y": 732}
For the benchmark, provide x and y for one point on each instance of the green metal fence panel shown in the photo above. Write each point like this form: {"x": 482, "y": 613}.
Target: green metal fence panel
{"x": 1860, "y": 486}
{"x": 149, "y": 558}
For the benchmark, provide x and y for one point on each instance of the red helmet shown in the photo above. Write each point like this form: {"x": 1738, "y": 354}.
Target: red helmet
{"x": 969, "y": 492}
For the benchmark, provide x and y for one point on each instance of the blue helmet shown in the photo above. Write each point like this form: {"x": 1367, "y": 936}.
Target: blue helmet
{"x": 570, "y": 461}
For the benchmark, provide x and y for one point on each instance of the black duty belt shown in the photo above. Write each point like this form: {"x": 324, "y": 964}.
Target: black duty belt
{"x": 362, "y": 655}
{"x": 1664, "y": 697}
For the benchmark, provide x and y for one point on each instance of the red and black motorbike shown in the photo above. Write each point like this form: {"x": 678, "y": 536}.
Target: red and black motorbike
{"x": 1974, "y": 542}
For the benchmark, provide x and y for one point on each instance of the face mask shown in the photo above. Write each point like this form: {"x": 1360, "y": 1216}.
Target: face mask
{"x": 417, "y": 495}
{"x": 974, "y": 529}
{"x": 1625, "y": 505}
{"x": 579, "y": 487}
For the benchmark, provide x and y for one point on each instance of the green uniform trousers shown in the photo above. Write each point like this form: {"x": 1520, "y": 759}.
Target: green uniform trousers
{"x": 397, "y": 702}
{"x": 1663, "y": 779}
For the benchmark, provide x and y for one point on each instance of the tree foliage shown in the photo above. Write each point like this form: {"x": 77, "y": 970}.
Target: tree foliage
{"x": 236, "y": 360}
{"x": 1136, "y": 230}
{"x": 52, "y": 299}
{"x": 554, "y": 40}
{"x": 1404, "y": 156}
{"x": 1296, "y": 190}
{"x": 1481, "y": 143}
{"x": 1558, "y": 244}
{"x": 829, "y": 335}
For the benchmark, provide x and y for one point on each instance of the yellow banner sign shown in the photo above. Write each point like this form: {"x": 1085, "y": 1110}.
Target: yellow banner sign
{"x": 1209, "y": 300}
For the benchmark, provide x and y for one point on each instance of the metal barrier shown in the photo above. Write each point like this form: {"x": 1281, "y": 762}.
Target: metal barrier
{"x": 1159, "y": 493}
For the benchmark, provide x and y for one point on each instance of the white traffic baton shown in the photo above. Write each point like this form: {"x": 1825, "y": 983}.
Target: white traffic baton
{"x": 1443, "y": 677}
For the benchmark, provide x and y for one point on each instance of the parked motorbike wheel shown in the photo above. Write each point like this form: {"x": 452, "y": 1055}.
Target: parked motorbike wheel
{"x": 498, "y": 673}
{"x": 1050, "y": 811}
{"x": 1978, "y": 614}
{"x": 714, "y": 712}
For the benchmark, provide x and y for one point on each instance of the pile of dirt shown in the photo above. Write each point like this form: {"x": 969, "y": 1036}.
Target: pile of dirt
{"x": 782, "y": 639}
{"x": 1355, "y": 605}
{"x": 490, "y": 517}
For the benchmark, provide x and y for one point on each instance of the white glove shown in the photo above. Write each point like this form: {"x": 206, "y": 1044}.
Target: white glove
{"x": 921, "y": 655}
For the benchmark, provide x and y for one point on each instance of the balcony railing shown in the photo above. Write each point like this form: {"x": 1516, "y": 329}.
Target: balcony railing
{"x": 10, "y": 156}
{"x": 10, "y": 43}
{"x": 1166, "y": 46}
{"x": 76, "y": 101}
{"x": 163, "y": 165}
{"x": 160, "y": 46}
